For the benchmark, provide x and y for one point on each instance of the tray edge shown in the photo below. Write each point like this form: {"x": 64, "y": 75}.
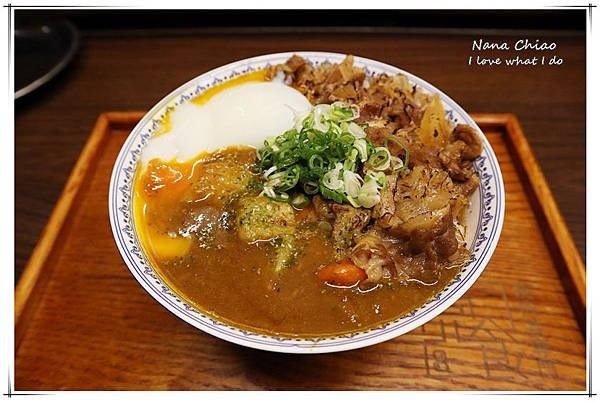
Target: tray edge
{"x": 25, "y": 296}
{"x": 557, "y": 236}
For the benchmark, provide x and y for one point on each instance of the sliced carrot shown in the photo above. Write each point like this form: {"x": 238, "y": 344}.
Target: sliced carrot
{"x": 344, "y": 273}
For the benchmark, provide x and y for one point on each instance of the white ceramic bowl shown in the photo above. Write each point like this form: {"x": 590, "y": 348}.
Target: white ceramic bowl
{"x": 484, "y": 219}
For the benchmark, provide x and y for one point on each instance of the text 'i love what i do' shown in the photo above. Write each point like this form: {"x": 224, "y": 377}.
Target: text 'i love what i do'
{"x": 517, "y": 60}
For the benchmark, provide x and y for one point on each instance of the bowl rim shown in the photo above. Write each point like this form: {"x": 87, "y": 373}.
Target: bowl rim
{"x": 306, "y": 345}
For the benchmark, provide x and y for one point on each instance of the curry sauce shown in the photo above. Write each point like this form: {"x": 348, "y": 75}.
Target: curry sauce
{"x": 191, "y": 221}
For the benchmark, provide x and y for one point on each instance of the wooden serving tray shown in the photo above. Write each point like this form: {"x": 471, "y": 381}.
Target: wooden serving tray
{"x": 83, "y": 322}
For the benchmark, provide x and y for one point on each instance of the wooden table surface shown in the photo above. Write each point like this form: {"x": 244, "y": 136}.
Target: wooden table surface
{"x": 120, "y": 70}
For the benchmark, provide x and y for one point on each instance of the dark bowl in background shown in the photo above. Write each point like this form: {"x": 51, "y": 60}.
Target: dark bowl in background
{"x": 43, "y": 48}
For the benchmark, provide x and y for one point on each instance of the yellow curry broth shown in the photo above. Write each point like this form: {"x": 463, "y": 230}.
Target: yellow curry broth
{"x": 167, "y": 193}
{"x": 185, "y": 215}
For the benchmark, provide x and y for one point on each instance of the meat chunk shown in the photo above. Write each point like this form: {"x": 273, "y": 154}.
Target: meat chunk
{"x": 423, "y": 267}
{"x": 413, "y": 110}
{"x": 345, "y": 92}
{"x": 452, "y": 159}
{"x": 424, "y": 215}
{"x": 386, "y": 206}
{"x": 446, "y": 244}
{"x": 345, "y": 72}
{"x": 397, "y": 111}
{"x": 470, "y": 138}
{"x": 421, "y": 237}
{"x": 457, "y": 156}
{"x": 294, "y": 63}
{"x": 369, "y": 110}
{"x": 383, "y": 257}
{"x": 422, "y": 200}
{"x": 323, "y": 208}
{"x": 468, "y": 187}
{"x": 349, "y": 224}
{"x": 371, "y": 255}
{"x": 378, "y": 134}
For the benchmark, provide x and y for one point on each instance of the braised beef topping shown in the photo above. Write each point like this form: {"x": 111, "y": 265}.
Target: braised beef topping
{"x": 416, "y": 229}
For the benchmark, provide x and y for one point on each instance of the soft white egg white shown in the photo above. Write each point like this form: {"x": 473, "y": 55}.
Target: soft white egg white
{"x": 241, "y": 115}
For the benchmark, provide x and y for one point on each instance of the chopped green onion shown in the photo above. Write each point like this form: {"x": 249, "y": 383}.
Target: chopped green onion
{"x": 340, "y": 112}
{"x": 369, "y": 194}
{"x": 380, "y": 159}
{"x": 351, "y": 184}
{"x": 406, "y": 151}
{"x": 333, "y": 195}
{"x": 300, "y": 201}
{"x": 332, "y": 180}
{"x": 356, "y": 130}
{"x": 361, "y": 146}
{"x": 269, "y": 171}
{"x": 315, "y": 161}
{"x": 378, "y": 177}
{"x": 326, "y": 153}
{"x": 397, "y": 163}
{"x": 310, "y": 187}
{"x": 347, "y": 138}
{"x": 350, "y": 162}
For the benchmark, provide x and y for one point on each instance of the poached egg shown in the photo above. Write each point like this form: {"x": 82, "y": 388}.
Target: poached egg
{"x": 246, "y": 113}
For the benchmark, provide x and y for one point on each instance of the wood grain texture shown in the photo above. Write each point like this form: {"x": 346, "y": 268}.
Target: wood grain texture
{"x": 568, "y": 261}
{"x": 96, "y": 328}
{"x": 121, "y": 71}
{"x": 34, "y": 277}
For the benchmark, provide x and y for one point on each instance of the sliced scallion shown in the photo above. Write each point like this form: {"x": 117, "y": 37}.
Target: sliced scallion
{"x": 406, "y": 151}
{"x": 299, "y": 201}
{"x": 380, "y": 159}
{"x": 326, "y": 153}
